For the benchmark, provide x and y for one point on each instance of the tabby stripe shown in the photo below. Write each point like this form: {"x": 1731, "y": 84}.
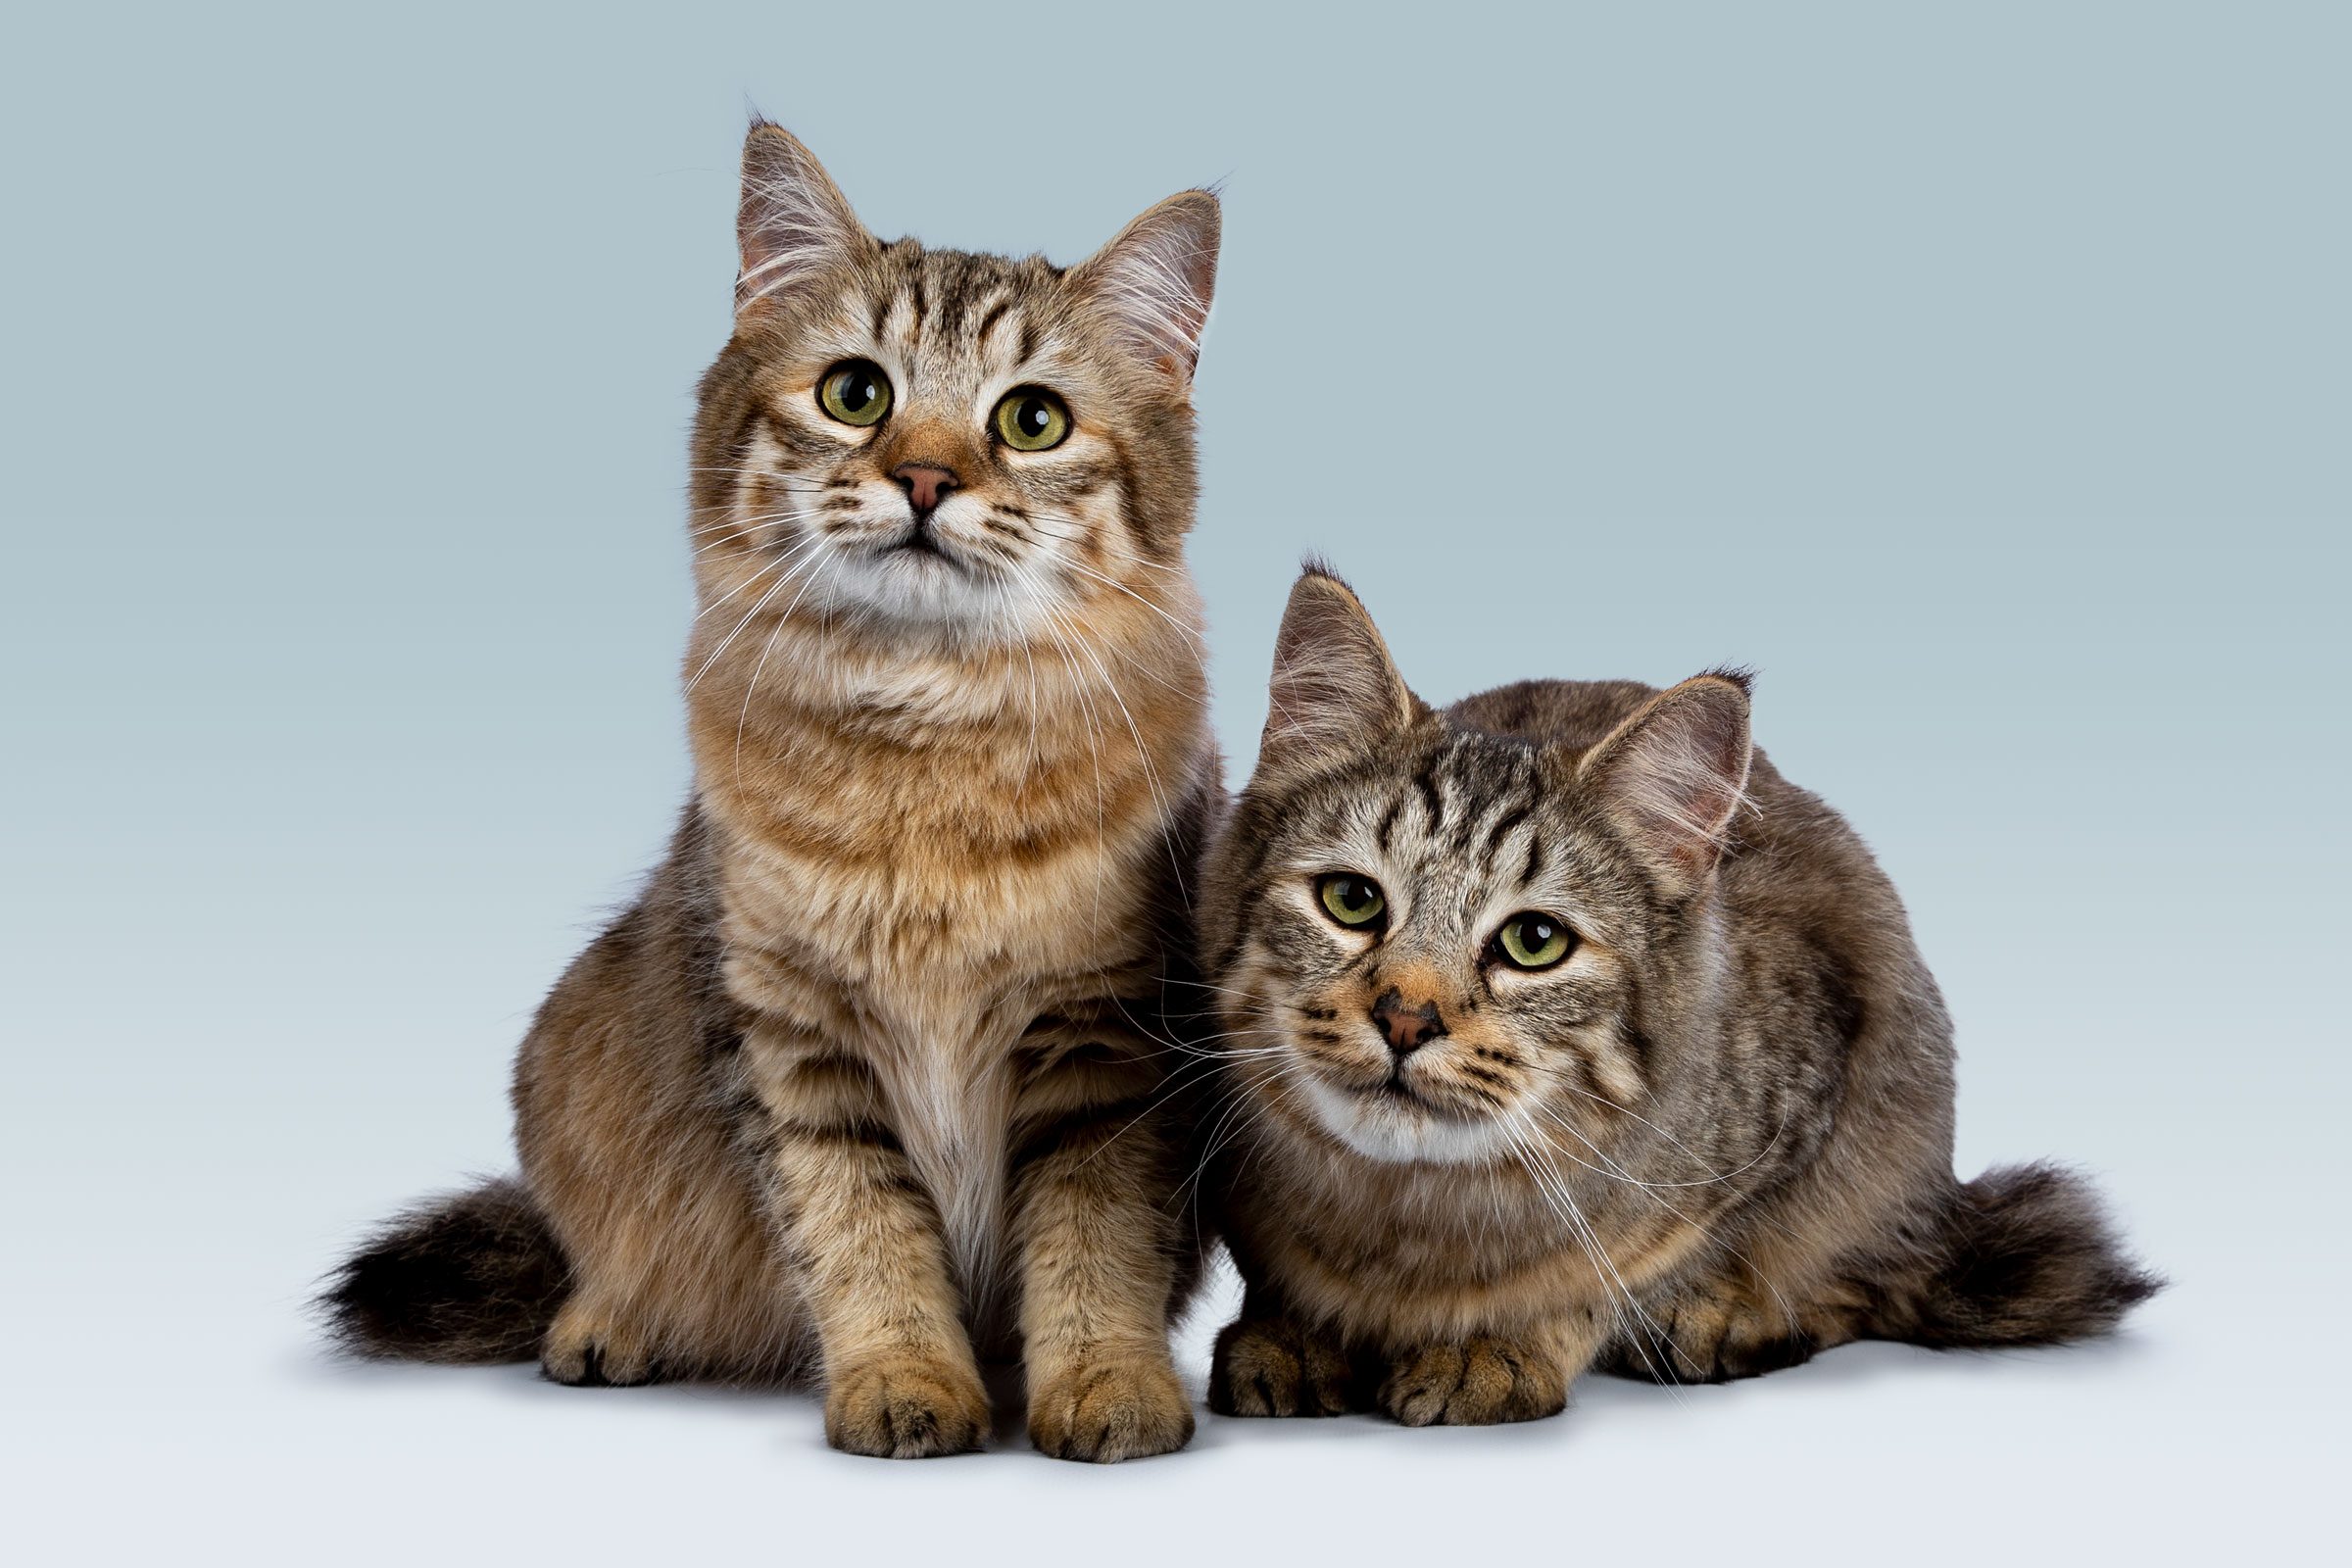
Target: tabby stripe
{"x": 951, "y": 304}
{"x": 996, "y": 314}
{"x": 834, "y": 1064}
{"x": 1111, "y": 1118}
{"x": 1127, "y": 494}
{"x": 1425, "y": 781}
{"x": 1506, "y": 823}
{"x": 1638, "y": 1043}
{"x": 1247, "y": 928}
{"x": 864, "y": 1131}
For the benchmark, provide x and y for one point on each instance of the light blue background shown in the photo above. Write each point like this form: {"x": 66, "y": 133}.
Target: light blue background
{"x": 1979, "y": 372}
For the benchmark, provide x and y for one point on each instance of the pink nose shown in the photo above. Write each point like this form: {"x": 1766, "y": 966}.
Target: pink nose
{"x": 1408, "y": 1028}
{"x": 926, "y": 485}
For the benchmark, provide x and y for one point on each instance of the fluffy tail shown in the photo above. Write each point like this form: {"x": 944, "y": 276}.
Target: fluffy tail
{"x": 467, "y": 1279}
{"x": 2028, "y": 1258}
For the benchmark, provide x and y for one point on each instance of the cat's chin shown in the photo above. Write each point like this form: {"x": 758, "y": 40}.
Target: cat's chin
{"x": 1399, "y": 1131}
{"x": 931, "y": 596}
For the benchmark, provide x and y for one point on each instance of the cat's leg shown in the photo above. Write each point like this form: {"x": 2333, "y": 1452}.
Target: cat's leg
{"x": 1270, "y": 1362}
{"x": 901, "y": 1380}
{"x": 1096, "y": 1236}
{"x": 631, "y": 1154}
{"x": 597, "y": 1343}
{"x": 1483, "y": 1379}
{"x": 1714, "y": 1329}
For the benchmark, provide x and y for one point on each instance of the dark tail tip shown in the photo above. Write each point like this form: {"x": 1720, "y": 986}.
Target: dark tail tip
{"x": 2031, "y": 1260}
{"x": 469, "y": 1279}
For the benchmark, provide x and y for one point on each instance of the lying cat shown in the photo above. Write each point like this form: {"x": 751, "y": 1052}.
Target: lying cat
{"x": 869, "y": 1084}
{"x": 1561, "y": 1030}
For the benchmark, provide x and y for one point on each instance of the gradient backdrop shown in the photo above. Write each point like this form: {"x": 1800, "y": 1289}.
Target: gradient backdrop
{"x": 1980, "y": 373}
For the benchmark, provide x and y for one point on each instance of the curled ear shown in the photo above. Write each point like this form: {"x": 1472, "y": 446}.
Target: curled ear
{"x": 1155, "y": 279}
{"x": 793, "y": 225}
{"x": 1335, "y": 687}
{"x": 1675, "y": 772}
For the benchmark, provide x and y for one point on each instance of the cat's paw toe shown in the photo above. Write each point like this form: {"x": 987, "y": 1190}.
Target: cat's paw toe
{"x": 903, "y": 1408}
{"x": 1723, "y": 1359}
{"x": 588, "y": 1349}
{"x": 1710, "y": 1340}
{"x": 1479, "y": 1382}
{"x": 1271, "y": 1368}
{"x": 1111, "y": 1410}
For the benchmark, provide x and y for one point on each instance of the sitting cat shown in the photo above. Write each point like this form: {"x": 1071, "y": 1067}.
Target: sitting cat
{"x": 1561, "y": 1030}
{"x": 869, "y": 1084}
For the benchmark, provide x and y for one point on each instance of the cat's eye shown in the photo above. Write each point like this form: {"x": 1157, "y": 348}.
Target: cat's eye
{"x": 1351, "y": 899}
{"x": 1031, "y": 418}
{"x": 1534, "y": 941}
{"x": 854, "y": 392}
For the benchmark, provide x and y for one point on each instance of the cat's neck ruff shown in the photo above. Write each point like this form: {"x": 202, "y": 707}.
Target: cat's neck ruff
{"x": 1085, "y": 682}
{"x": 892, "y": 784}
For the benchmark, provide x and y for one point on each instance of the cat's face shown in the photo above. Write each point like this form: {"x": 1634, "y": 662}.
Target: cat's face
{"x": 1437, "y": 940}
{"x": 945, "y": 442}
{"x": 1438, "y": 948}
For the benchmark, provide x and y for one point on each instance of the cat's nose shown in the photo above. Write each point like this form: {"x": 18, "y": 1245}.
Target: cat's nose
{"x": 926, "y": 485}
{"x": 1408, "y": 1028}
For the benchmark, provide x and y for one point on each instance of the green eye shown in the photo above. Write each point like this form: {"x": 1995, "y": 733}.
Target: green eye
{"x": 1534, "y": 941}
{"x": 1031, "y": 419}
{"x": 854, "y": 392}
{"x": 1351, "y": 899}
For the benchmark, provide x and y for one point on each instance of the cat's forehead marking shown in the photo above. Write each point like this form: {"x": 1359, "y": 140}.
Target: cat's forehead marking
{"x": 993, "y": 313}
{"x": 955, "y": 321}
{"x": 1461, "y": 827}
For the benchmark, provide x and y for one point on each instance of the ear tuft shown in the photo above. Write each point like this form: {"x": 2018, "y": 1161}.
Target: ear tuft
{"x": 1335, "y": 688}
{"x": 793, "y": 225}
{"x": 1675, "y": 773}
{"x": 1156, "y": 281}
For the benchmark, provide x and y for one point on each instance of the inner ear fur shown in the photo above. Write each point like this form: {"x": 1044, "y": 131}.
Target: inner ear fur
{"x": 1334, "y": 688}
{"x": 1675, "y": 772}
{"x": 793, "y": 226}
{"x": 1156, "y": 281}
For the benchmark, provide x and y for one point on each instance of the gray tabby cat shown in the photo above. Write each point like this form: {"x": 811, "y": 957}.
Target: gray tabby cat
{"x": 1564, "y": 1030}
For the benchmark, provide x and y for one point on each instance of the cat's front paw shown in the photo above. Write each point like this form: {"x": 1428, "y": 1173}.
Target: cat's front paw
{"x": 906, "y": 1407}
{"x": 1708, "y": 1338}
{"x": 1105, "y": 1411}
{"x": 1479, "y": 1382}
{"x": 1273, "y": 1367}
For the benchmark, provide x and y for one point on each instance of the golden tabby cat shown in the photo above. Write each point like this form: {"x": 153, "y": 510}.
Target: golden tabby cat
{"x": 863, "y": 1085}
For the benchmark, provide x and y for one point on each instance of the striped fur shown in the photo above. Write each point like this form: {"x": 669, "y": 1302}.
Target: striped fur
{"x": 872, "y": 1084}
{"x": 1714, "y": 1139}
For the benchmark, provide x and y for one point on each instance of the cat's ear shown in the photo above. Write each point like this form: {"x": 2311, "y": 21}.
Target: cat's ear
{"x": 793, "y": 225}
{"x": 1335, "y": 687}
{"x": 1675, "y": 773}
{"x": 1156, "y": 281}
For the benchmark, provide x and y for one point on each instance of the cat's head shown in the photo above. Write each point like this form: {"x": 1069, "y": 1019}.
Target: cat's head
{"x": 935, "y": 441}
{"x": 1430, "y": 942}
